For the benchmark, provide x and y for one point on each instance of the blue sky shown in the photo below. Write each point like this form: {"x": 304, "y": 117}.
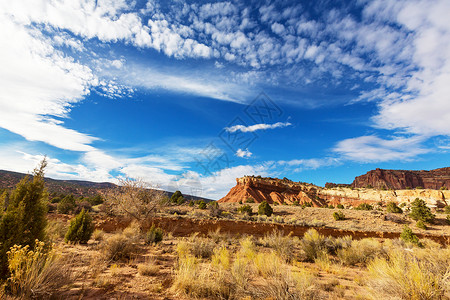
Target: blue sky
{"x": 192, "y": 94}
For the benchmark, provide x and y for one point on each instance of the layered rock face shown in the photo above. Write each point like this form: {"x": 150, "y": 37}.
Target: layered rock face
{"x": 272, "y": 190}
{"x": 401, "y": 179}
{"x": 277, "y": 190}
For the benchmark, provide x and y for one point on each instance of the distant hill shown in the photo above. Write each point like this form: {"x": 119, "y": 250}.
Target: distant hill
{"x": 8, "y": 180}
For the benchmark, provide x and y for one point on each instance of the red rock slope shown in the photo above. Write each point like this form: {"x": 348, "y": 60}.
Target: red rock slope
{"x": 272, "y": 190}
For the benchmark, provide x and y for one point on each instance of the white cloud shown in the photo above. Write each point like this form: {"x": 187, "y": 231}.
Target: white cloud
{"x": 374, "y": 149}
{"x": 243, "y": 153}
{"x": 423, "y": 107}
{"x": 256, "y": 127}
{"x": 38, "y": 84}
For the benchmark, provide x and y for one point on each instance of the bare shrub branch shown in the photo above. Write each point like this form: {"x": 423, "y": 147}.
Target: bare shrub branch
{"x": 135, "y": 198}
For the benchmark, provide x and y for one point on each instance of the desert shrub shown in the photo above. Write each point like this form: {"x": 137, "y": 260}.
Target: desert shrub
{"x": 448, "y": 219}
{"x": 330, "y": 206}
{"x": 245, "y": 209}
{"x": 419, "y": 187}
{"x": 338, "y": 216}
{"x": 80, "y": 229}
{"x": 66, "y": 205}
{"x": 421, "y": 225}
{"x": 250, "y": 200}
{"x": 154, "y": 235}
{"x": 410, "y": 275}
{"x": 282, "y": 244}
{"x": 296, "y": 203}
{"x": 117, "y": 247}
{"x": 420, "y": 211}
{"x": 191, "y": 203}
{"x": 364, "y": 206}
{"x": 340, "y": 206}
{"x": 360, "y": 252}
{"x": 202, "y": 204}
{"x": 447, "y": 209}
{"x": 313, "y": 244}
{"x": 408, "y": 236}
{"x": 24, "y": 221}
{"x": 265, "y": 209}
{"x": 392, "y": 207}
{"x": 36, "y": 273}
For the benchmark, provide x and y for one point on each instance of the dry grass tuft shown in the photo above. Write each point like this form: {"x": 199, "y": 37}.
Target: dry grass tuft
{"x": 283, "y": 245}
{"x": 149, "y": 268}
{"x": 418, "y": 274}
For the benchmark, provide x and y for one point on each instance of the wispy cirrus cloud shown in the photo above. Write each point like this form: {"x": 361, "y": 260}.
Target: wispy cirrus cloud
{"x": 256, "y": 127}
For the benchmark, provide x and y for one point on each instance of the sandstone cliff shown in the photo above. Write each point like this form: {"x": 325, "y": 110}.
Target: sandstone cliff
{"x": 277, "y": 190}
{"x": 402, "y": 179}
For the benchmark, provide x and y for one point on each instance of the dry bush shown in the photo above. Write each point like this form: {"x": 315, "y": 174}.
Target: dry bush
{"x": 98, "y": 235}
{"x": 117, "y": 247}
{"x": 221, "y": 258}
{"x": 418, "y": 274}
{"x": 284, "y": 245}
{"x": 133, "y": 232}
{"x": 360, "y": 252}
{"x": 200, "y": 281}
{"x": 288, "y": 286}
{"x": 313, "y": 244}
{"x": 56, "y": 229}
{"x": 37, "y": 273}
{"x": 149, "y": 268}
{"x": 201, "y": 247}
{"x": 268, "y": 265}
{"x": 134, "y": 198}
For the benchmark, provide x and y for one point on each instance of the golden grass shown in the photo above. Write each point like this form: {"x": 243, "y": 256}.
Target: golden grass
{"x": 417, "y": 274}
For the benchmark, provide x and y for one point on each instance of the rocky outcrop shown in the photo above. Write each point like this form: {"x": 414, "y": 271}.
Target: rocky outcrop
{"x": 286, "y": 191}
{"x": 402, "y": 179}
{"x": 273, "y": 190}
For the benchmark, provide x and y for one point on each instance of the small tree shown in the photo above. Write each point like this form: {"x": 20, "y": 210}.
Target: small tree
{"x": 177, "y": 198}
{"x": 67, "y": 204}
{"x": 25, "y": 219}
{"x": 81, "y": 228}
{"x": 338, "y": 216}
{"x": 202, "y": 204}
{"x": 392, "y": 207}
{"x": 154, "y": 235}
{"x": 420, "y": 211}
{"x": 134, "y": 198}
{"x": 265, "y": 209}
